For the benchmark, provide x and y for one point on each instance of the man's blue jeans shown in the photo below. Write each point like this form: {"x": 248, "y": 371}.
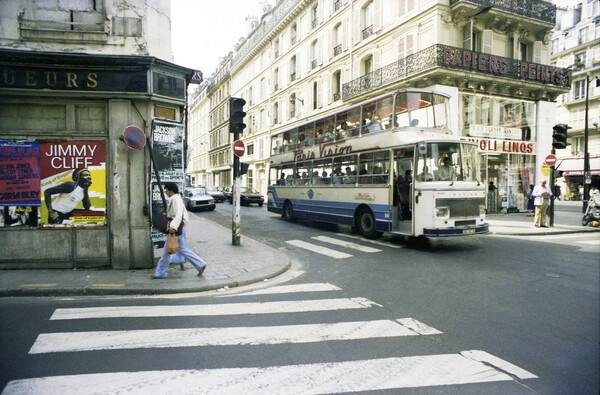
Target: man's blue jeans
{"x": 163, "y": 263}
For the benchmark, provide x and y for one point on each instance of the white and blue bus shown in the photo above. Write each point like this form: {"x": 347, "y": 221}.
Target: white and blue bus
{"x": 386, "y": 165}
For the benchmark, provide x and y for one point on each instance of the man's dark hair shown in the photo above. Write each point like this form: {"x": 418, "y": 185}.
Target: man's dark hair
{"x": 171, "y": 186}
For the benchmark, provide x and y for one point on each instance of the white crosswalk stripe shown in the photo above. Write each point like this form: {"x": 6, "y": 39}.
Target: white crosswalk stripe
{"x": 319, "y": 249}
{"x": 320, "y": 378}
{"x": 346, "y": 244}
{"x": 474, "y": 366}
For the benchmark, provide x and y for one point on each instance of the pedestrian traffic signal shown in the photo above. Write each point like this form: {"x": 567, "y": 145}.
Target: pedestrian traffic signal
{"x": 236, "y": 116}
{"x": 559, "y": 137}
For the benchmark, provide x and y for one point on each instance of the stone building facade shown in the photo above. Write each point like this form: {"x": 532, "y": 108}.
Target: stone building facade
{"x": 307, "y": 59}
{"x": 73, "y": 76}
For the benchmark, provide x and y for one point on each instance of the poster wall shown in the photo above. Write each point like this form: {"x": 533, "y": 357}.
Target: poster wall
{"x": 73, "y": 182}
{"x": 167, "y": 151}
{"x": 19, "y": 173}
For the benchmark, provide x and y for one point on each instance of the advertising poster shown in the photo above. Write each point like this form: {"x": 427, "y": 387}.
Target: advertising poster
{"x": 167, "y": 150}
{"x": 73, "y": 182}
{"x": 19, "y": 173}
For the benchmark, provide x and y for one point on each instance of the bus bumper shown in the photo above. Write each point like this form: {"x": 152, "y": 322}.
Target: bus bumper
{"x": 457, "y": 231}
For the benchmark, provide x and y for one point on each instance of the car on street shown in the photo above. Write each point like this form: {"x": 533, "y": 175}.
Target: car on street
{"x": 215, "y": 193}
{"x": 248, "y": 196}
{"x": 198, "y": 199}
{"x": 227, "y": 192}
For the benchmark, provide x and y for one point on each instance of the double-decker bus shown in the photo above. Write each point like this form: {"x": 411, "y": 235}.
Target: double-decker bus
{"x": 389, "y": 164}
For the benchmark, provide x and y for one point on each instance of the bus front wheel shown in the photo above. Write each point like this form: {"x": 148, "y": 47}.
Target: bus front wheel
{"x": 365, "y": 223}
{"x": 288, "y": 212}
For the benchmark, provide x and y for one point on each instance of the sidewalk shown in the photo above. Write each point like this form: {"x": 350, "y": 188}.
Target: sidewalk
{"x": 228, "y": 265}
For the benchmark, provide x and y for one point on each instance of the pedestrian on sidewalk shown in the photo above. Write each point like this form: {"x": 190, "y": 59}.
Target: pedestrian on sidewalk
{"x": 542, "y": 194}
{"x": 176, "y": 210}
{"x": 530, "y": 201}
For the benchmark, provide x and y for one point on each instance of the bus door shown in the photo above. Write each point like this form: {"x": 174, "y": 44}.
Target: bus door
{"x": 403, "y": 191}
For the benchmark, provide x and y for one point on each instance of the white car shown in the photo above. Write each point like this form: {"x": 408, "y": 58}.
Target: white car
{"x": 198, "y": 199}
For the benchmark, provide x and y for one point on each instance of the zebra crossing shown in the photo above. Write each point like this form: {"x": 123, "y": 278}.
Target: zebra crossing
{"x": 348, "y": 246}
{"x": 369, "y": 374}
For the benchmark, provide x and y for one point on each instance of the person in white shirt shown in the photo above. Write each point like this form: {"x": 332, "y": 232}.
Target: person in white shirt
{"x": 542, "y": 195}
{"x": 176, "y": 210}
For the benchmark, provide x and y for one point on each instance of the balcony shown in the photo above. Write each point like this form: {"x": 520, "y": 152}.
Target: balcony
{"x": 367, "y": 32}
{"x": 536, "y": 9}
{"x": 337, "y": 50}
{"x": 445, "y": 64}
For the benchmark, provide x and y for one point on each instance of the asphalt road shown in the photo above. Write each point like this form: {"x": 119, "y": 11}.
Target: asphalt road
{"x": 531, "y": 302}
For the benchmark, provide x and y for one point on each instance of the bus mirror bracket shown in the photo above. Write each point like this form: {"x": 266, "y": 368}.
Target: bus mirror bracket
{"x": 422, "y": 149}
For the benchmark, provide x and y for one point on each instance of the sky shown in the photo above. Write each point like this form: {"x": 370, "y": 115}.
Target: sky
{"x": 204, "y": 30}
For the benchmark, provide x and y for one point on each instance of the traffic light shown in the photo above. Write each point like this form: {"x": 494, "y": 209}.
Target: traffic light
{"x": 243, "y": 168}
{"x": 236, "y": 116}
{"x": 559, "y": 137}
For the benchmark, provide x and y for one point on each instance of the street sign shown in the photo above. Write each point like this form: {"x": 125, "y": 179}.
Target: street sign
{"x": 550, "y": 160}
{"x": 134, "y": 137}
{"x": 239, "y": 149}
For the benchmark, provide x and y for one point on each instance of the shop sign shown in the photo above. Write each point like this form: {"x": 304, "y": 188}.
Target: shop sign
{"x": 74, "y": 79}
{"x": 495, "y": 132}
{"x": 503, "y": 146}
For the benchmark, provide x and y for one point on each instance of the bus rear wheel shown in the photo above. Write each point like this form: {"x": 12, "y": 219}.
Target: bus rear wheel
{"x": 365, "y": 223}
{"x": 288, "y": 212}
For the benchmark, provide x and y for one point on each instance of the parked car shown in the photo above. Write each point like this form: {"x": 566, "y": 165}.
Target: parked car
{"x": 249, "y": 195}
{"x": 215, "y": 193}
{"x": 198, "y": 199}
{"x": 227, "y": 192}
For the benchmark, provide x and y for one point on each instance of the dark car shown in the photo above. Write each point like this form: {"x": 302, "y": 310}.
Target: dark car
{"x": 215, "y": 193}
{"x": 248, "y": 196}
{"x": 227, "y": 192}
{"x": 198, "y": 199}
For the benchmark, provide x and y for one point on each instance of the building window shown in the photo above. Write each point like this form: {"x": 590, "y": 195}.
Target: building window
{"x": 337, "y": 85}
{"x": 405, "y": 46}
{"x": 406, "y": 6}
{"x": 276, "y": 80}
{"x": 471, "y": 37}
{"x": 524, "y": 51}
{"x": 579, "y": 90}
{"x": 275, "y": 113}
{"x": 315, "y": 95}
{"x": 293, "y": 68}
{"x": 292, "y": 105}
{"x": 582, "y": 36}
{"x": 367, "y": 20}
{"x": 315, "y": 16}
{"x": 314, "y": 53}
{"x": 555, "y": 47}
{"x": 293, "y": 34}
{"x": 337, "y": 39}
{"x": 276, "y": 48}
{"x": 250, "y": 149}
{"x": 580, "y": 63}
{"x": 367, "y": 65}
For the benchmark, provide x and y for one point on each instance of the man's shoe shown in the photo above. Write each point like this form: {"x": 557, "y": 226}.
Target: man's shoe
{"x": 155, "y": 277}
{"x": 544, "y": 226}
{"x": 181, "y": 266}
{"x": 201, "y": 271}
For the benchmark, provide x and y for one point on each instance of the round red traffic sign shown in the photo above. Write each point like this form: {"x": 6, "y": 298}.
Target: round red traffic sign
{"x": 239, "y": 149}
{"x": 550, "y": 160}
{"x": 134, "y": 137}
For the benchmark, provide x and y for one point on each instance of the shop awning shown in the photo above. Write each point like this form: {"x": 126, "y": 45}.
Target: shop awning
{"x": 574, "y": 166}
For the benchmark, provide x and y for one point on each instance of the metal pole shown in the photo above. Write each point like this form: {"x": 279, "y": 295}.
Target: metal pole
{"x": 552, "y": 197}
{"x": 235, "y": 214}
{"x": 586, "y": 154}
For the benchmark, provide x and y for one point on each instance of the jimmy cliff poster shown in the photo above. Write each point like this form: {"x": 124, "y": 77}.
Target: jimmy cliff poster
{"x": 73, "y": 182}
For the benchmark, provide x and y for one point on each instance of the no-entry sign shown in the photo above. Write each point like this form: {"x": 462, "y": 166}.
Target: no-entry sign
{"x": 550, "y": 160}
{"x": 134, "y": 137}
{"x": 239, "y": 149}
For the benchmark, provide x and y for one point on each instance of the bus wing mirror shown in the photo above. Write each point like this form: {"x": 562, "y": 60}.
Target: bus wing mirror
{"x": 423, "y": 149}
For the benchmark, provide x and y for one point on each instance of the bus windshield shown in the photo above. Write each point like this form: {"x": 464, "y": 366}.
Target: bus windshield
{"x": 450, "y": 161}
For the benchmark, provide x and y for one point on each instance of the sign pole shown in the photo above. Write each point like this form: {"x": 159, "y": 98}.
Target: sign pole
{"x": 552, "y": 189}
{"x": 235, "y": 229}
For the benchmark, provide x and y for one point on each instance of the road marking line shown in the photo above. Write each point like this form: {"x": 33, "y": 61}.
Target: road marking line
{"x": 378, "y": 242}
{"x": 36, "y": 285}
{"x": 318, "y": 249}
{"x": 108, "y": 285}
{"x": 293, "y": 306}
{"x": 332, "y": 377}
{"x": 588, "y": 242}
{"x": 482, "y": 356}
{"x": 346, "y": 244}
{"x": 198, "y": 337}
{"x": 418, "y": 326}
{"x": 293, "y": 288}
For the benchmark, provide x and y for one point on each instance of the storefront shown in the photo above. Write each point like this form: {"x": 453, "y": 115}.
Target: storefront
{"x": 506, "y": 131}
{"x": 571, "y": 170}
{"x": 73, "y": 194}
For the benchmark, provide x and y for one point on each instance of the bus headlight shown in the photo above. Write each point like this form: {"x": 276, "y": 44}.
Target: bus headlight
{"x": 442, "y": 212}
{"x": 481, "y": 210}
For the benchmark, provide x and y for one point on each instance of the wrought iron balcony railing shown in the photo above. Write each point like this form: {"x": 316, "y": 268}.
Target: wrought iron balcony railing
{"x": 367, "y": 31}
{"x": 537, "y": 9}
{"x": 337, "y": 96}
{"x": 313, "y": 64}
{"x": 445, "y": 57}
{"x": 337, "y": 5}
{"x": 337, "y": 50}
